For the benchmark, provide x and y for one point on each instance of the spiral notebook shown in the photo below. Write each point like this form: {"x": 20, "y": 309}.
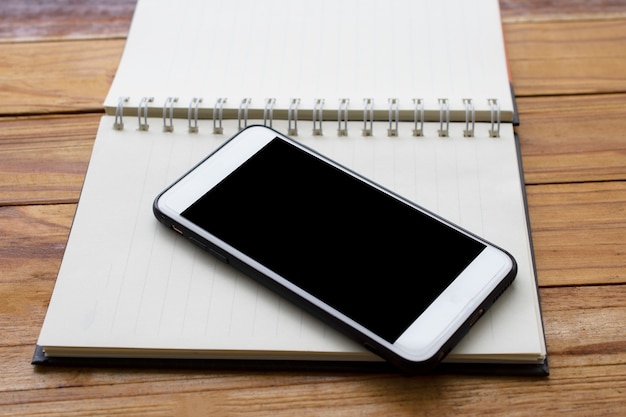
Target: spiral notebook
{"x": 412, "y": 94}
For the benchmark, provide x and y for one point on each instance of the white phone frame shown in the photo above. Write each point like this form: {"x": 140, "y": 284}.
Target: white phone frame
{"x": 459, "y": 303}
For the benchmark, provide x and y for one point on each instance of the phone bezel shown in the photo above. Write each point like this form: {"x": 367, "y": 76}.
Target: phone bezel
{"x": 426, "y": 341}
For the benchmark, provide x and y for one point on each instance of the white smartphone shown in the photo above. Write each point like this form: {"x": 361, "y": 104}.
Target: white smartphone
{"x": 395, "y": 277}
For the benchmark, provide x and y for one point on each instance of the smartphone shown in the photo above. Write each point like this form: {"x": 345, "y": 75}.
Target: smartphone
{"x": 398, "y": 279}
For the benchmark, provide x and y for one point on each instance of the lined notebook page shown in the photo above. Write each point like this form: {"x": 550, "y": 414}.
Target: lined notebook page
{"x": 327, "y": 49}
{"x": 127, "y": 282}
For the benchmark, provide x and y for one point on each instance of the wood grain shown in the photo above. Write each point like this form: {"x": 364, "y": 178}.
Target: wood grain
{"x": 32, "y": 246}
{"x": 517, "y": 11}
{"x": 579, "y": 232}
{"x": 573, "y": 138}
{"x": 57, "y": 77}
{"x": 568, "y": 57}
{"x": 64, "y": 19}
{"x": 336, "y": 395}
{"x": 44, "y": 159}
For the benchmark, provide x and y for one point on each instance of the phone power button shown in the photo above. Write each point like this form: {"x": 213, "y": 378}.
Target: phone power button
{"x": 218, "y": 255}
{"x": 208, "y": 249}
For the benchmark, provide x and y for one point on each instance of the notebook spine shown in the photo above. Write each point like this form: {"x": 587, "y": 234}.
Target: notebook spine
{"x": 317, "y": 116}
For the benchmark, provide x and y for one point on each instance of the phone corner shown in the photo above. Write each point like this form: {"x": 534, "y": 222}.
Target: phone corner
{"x": 156, "y": 210}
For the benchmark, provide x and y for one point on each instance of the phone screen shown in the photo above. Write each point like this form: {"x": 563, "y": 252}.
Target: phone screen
{"x": 369, "y": 255}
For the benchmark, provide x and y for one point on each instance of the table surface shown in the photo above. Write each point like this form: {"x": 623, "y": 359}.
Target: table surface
{"x": 568, "y": 65}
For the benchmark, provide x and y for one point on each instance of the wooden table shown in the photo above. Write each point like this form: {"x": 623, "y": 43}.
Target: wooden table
{"x": 568, "y": 64}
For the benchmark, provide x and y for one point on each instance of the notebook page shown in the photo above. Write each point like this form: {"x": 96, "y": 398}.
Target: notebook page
{"x": 126, "y": 282}
{"x": 330, "y": 49}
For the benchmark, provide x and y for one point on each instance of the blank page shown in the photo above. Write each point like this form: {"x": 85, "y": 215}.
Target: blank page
{"x": 328, "y": 49}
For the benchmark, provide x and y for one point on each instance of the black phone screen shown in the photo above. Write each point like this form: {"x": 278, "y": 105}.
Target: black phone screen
{"x": 369, "y": 255}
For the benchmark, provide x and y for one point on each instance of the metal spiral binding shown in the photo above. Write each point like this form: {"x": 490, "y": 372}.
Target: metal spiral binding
{"x": 443, "y": 102}
{"x": 318, "y": 110}
{"x": 469, "y": 109}
{"x": 317, "y": 115}
{"x": 243, "y": 106}
{"x": 394, "y": 115}
{"x": 494, "y": 106}
{"x": 368, "y": 116}
{"x": 342, "y": 116}
{"x": 118, "y": 124}
{"x": 269, "y": 109}
{"x": 193, "y": 110}
{"x": 293, "y": 115}
{"x": 418, "y": 117}
{"x": 168, "y": 114}
{"x": 142, "y": 111}
{"x": 218, "y": 111}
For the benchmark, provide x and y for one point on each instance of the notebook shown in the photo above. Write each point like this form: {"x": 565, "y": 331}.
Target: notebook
{"x": 412, "y": 94}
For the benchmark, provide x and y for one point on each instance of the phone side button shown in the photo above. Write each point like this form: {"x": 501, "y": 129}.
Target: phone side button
{"x": 197, "y": 242}
{"x": 208, "y": 249}
{"x": 218, "y": 255}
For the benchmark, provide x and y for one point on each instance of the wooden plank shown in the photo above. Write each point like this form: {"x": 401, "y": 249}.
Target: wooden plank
{"x": 31, "y": 248}
{"x": 56, "y": 77}
{"x": 573, "y": 139}
{"x": 44, "y": 159}
{"x": 546, "y": 10}
{"x": 584, "y": 325}
{"x": 579, "y": 232}
{"x": 64, "y": 19}
{"x": 588, "y": 355}
{"x": 595, "y": 392}
{"x": 568, "y": 57}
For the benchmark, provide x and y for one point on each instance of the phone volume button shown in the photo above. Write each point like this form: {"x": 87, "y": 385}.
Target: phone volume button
{"x": 197, "y": 242}
{"x": 210, "y": 250}
{"x": 218, "y": 255}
